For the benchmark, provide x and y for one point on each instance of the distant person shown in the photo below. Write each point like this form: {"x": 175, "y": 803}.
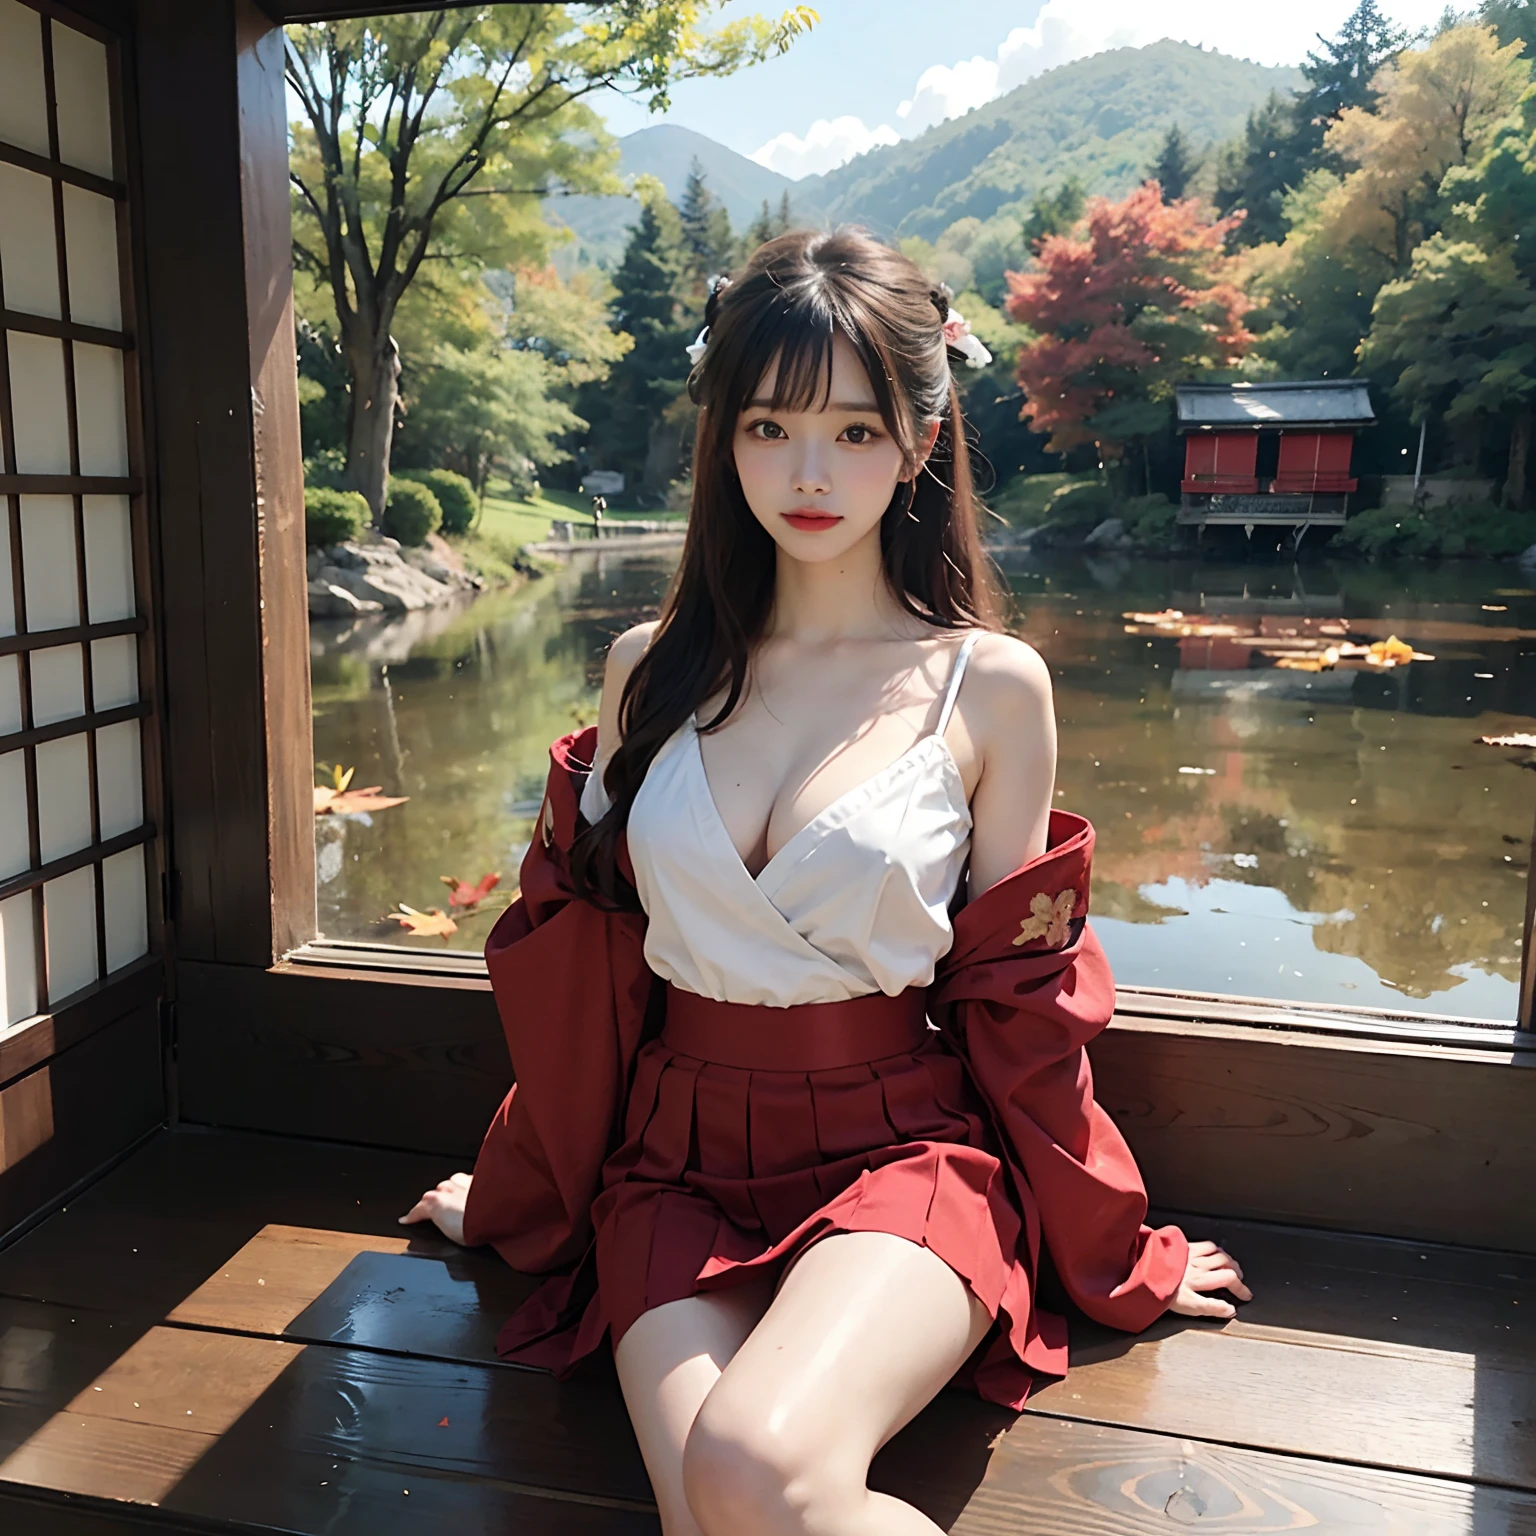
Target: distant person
{"x": 599, "y": 506}
{"x": 737, "y": 1148}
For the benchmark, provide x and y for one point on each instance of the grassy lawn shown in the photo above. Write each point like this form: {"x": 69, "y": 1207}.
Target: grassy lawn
{"x": 508, "y": 522}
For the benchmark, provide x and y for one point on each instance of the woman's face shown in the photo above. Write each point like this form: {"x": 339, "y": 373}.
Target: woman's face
{"x": 819, "y": 480}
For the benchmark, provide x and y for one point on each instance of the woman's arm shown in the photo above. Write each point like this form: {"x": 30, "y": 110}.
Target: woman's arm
{"x": 1009, "y": 713}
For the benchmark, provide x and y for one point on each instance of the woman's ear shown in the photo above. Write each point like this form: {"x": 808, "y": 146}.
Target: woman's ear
{"x": 925, "y": 447}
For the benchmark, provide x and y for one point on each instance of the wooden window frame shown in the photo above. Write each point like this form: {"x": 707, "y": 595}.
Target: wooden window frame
{"x": 1357, "y": 1119}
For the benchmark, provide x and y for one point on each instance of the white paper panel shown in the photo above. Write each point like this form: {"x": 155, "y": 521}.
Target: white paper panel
{"x": 14, "y": 855}
{"x": 119, "y": 778}
{"x": 10, "y": 699}
{"x": 90, "y": 251}
{"x": 7, "y": 596}
{"x": 63, "y": 797}
{"x": 122, "y": 889}
{"x": 38, "y": 404}
{"x": 100, "y": 411}
{"x": 18, "y": 955}
{"x": 49, "y": 568}
{"x": 108, "y": 559}
{"x": 29, "y": 251}
{"x": 115, "y": 671}
{"x": 84, "y": 100}
{"x": 69, "y": 926}
{"x": 58, "y": 684}
{"x": 23, "y": 96}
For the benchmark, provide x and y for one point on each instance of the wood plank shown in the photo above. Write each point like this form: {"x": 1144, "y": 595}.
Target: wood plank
{"x": 321, "y": 1438}
{"x": 261, "y": 1433}
{"x": 383, "y": 1058}
{"x": 1356, "y": 1135}
{"x": 172, "y": 1215}
{"x": 77, "y": 1111}
{"x": 279, "y": 466}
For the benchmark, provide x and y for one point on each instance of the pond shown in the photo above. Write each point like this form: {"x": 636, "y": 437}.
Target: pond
{"x": 1265, "y": 830}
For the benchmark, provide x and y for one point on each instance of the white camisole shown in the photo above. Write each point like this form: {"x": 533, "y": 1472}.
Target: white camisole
{"x": 856, "y": 902}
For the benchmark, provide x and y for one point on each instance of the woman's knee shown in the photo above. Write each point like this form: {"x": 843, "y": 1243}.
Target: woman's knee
{"x": 744, "y": 1475}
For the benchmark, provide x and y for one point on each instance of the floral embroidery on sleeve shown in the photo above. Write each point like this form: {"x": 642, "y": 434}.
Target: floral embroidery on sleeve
{"x": 1048, "y": 919}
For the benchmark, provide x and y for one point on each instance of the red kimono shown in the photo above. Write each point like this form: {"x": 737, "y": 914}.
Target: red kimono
{"x": 1050, "y": 1207}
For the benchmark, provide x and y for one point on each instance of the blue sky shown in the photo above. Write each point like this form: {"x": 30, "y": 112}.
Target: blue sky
{"x": 874, "y": 71}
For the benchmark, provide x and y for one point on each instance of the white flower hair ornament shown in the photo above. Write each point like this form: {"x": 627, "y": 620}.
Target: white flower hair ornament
{"x": 957, "y": 334}
{"x": 695, "y": 348}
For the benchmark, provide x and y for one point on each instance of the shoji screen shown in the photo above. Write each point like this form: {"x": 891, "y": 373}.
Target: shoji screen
{"x": 75, "y": 843}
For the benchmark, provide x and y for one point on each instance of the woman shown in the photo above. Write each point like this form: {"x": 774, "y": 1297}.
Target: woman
{"x": 819, "y": 814}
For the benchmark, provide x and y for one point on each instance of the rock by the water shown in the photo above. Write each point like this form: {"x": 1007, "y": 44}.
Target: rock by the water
{"x": 1108, "y": 535}
{"x": 378, "y": 576}
{"x": 329, "y": 601}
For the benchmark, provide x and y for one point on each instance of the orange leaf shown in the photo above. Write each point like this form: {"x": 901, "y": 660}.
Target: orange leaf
{"x": 462, "y": 894}
{"x": 425, "y": 925}
{"x": 351, "y": 801}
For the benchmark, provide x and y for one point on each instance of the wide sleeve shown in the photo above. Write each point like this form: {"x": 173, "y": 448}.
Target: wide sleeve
{"x": 1023, "y": 990}
{"x": 574, "y": 995}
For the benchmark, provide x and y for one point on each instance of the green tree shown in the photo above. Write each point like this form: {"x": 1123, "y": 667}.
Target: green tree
{"x": 1513, "y": 20}
{"x": 760, "y": 229}
{"x": 434, "y": 135}
{"x": 1175, "y": 165}
{"x": 627, "y": 412}
{"x": 1343, "y": 74}
{"x": 707, "y": 241}
{"x": 1459, "y": 330}
{"x": 1257, "y": 172}
{"x": 784, "y": 222}
{"x": 1054, "y": 212}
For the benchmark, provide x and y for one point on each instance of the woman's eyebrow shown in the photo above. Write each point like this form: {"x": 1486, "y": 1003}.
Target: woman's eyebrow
{"x": 834, "y": 405}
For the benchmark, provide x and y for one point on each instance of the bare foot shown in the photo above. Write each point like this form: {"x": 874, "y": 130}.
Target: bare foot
{"x": 443, "y": 1207}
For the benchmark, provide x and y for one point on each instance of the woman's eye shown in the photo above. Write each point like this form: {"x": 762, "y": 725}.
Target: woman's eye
{"x": 770, "y": 431}
{"x": 866, "y": 434}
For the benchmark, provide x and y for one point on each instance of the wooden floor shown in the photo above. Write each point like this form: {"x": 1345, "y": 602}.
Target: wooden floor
{"x": 231, "y": 1333}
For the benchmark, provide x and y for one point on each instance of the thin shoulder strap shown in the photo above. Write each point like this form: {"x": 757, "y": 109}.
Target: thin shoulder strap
{"x": 957, "y": 672}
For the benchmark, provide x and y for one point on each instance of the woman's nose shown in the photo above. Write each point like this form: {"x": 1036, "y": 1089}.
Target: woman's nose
{"x": 813, "y": 475}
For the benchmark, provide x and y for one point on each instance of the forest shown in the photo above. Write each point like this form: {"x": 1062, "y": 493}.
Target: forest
{"x": 1376, "y": 218}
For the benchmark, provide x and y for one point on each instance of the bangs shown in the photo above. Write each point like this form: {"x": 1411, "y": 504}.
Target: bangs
{"x": 792, "y": 336}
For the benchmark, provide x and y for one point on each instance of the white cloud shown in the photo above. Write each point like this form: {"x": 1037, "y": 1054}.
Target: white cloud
{"x": 1064, "y": 30}
{"x": 828, "y": 143}
{"x": 945, "y": 91}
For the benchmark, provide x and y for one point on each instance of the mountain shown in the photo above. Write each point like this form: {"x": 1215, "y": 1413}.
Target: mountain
{"x": 1101, "y": 118}
{"x": 666, "y": 151}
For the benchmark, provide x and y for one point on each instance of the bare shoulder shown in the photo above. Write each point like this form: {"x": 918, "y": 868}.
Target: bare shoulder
{"x": 1008, "y": 687}
{"x": 625, "y": 651}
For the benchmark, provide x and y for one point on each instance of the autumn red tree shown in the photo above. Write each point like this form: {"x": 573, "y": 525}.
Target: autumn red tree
{"x": 1139, "y": 295}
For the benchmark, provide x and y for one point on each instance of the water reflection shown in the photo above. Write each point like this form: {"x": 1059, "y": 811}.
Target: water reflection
{"x": 1330, "y": 835}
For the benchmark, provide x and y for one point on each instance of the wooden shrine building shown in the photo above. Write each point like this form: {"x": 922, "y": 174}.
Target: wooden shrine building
{"x": 1277, "y": 453}
{"x": 210, "y": 1118}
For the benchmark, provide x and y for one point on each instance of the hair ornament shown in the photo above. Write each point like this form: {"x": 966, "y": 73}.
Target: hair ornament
{"x": 696, "y": 348}
{"x": 957, "y": 334}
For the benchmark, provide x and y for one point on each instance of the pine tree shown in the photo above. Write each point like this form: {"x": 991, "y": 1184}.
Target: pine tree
{"x": 1255, "y": 173}
{"x": 1339, "y": 77}
{"x": 760, "y": 229}
{"x": 707, "y": 242}
{"x": 1175, "y": 165}
{"x": 785, "y": 221}
{"x": 649, "y": 284}
{"x": 1054, "y": 213}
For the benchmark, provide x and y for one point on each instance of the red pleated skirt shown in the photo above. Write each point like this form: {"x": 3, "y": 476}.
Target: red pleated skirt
{"x": 753, "y": 1132}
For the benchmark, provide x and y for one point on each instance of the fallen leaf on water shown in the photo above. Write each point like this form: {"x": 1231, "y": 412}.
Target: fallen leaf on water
{"x": 345, "y": 802}
{"x": 462, "y": 894}
{"x": 442, "y": 1423}
{"x": 425, "y": 925}
{"x": 1300, "y": 663}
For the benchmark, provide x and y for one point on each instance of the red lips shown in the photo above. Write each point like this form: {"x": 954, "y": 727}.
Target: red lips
{"x": 811, "y": 519}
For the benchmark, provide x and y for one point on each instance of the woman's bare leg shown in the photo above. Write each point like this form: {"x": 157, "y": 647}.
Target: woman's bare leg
{"x": 865, "y": 1329}
{"x": 668, "y": 1361}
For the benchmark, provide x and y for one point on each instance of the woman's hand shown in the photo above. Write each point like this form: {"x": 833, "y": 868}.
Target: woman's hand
{"x": 443, "y": 1207}
{"x": 1209, "y": 1269}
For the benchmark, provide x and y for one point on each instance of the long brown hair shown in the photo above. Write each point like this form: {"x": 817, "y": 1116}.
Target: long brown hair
{"x": 795, "y": 294}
